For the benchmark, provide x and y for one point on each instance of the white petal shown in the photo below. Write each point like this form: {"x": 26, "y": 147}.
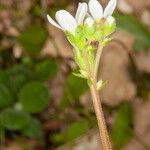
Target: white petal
{"x": 81, "y": 13}
{"x": 78, "y": 10}
{"x": 96, "y": 9}
{"x": 89, "y": 21}
{"x": 66, "y": 20}
{"x": 110, "y": 20}
{"x": 110, "y": 8}
{"x": 53, "y": 22}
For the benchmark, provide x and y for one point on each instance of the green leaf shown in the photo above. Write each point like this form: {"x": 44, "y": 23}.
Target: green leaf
{"x": 13, "y": 119}
{"x": 122, "y": 129}
{"x": 77, "y": 86}
{"x": 133, "y": 25}
{"x": 18, "y": 76}
{"x": 33, "y": 129}
{"x": 34, "y": 97}
{"x": 79, "y": 75}
{"x": 45, "y": 70}
{"x": 76, "y": 129}
{"x": 33, "y": 39}
{"x": 6, "y": 96}
{"x": 74, "y": 89}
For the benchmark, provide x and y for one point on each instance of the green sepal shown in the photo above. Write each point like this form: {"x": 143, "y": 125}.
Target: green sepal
{"x": 89, "y": 32}
{"x": 77, "y": 39}
{"x": 101, "y": 84}
{"x": 93, "y": 33}
{"x": 78, "y": 55}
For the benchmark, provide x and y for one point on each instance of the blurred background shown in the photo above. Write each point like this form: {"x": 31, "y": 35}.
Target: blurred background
{"x": 43, "y": 106}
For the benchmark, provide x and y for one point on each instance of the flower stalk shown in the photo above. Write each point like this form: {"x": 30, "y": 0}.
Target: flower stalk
{"x": 96, "y": 98}
{"x": 100, "y": 118}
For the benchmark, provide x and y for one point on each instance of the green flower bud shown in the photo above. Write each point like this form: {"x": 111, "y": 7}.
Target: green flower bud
{"x": 109, "y": 26}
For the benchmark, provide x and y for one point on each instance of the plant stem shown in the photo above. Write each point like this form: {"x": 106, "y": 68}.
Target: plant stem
{"x": 100, "y": 117}
{"x": 96, "y": 98}
{"x": 97, "y": 60}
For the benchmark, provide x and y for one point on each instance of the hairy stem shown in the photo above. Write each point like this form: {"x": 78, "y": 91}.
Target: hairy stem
{"x": 100, "y": 117}
{"x": 96, "y": 99}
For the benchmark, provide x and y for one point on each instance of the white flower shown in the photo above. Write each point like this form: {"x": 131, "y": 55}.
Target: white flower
{"x": 66, "y": 21}
{"x": 97, "y": 12}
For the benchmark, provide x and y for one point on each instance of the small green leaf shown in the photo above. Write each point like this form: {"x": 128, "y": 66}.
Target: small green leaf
{"x": 13, "y": 119}
{"x": 76, "y": 129}
{"x": 33, "y": 39}
{"x": 34, "y": 97}
{"x": 45, "y": 70}
{"x": 133, "y": 25}
{"x": 122, "y": 129}
{"x": 33, "y": 129}
{"x": 6, "y": 96}
{"x": 79, "y": 75}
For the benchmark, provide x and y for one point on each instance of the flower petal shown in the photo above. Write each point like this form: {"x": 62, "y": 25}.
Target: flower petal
{"x": 81, "y": 13}
{"x": 89, "y": 21}
{"x": 78, "y": 10}
{"x": 53, "y": 22}
{"x": 110, "y": 8}
{"x": 96, "y": 9}
{"x": 66, "y": 20}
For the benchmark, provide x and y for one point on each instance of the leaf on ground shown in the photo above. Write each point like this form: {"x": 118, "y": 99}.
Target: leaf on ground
{"x": 33, "y": 129}
{"x": 77, "y": 86}
{"x": 34, "y": 97}
{"x": 122, "y": 129}
{"x": 45, "y": 70}
{"x": 74, "y": 89}
{"x": 32, "y": 40}
{"x": 6, "y": 96}
{"x": 13, "y": 119}
{"x": 76, "y": 129}
{"x": 18, "y": 76}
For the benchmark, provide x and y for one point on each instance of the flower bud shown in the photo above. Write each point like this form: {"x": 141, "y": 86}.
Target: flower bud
{"x": 109, "y": 26}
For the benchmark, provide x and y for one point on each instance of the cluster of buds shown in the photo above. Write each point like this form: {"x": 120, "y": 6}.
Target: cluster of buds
{"x": 90, "y": 25}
